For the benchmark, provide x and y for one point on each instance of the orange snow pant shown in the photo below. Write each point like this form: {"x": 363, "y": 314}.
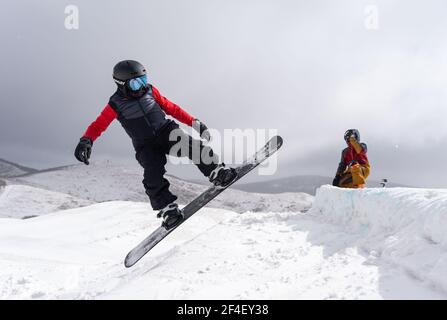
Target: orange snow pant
{"x": 355, "y": 176}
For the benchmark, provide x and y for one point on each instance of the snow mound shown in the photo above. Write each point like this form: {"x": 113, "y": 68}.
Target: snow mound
{"x": 18, "y": 201}
{"x": 402, "y": 226}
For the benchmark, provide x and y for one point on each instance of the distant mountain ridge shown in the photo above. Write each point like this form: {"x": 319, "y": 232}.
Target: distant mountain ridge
{"x": 295, "y": 184}
{"x": 10, "y": 169}
{"x": 305, "y": 183}
{"x": 107, "y": 181}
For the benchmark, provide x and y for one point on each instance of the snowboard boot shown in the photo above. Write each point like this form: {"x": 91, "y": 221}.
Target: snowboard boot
{"x": 171, "y": 215}
{"x": 222, "y": 176}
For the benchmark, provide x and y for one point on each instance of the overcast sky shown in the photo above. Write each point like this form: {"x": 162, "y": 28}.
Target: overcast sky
{"x": 310, "y": 69}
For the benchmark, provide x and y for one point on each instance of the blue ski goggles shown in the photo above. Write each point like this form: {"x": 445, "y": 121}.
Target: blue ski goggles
{"x": 136, "y": 84}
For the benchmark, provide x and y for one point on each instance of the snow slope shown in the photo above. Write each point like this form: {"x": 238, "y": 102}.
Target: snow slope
{"x": 106, "y": 181}
{"x": 20, "y": 201}
{"x": 353, "y": 244}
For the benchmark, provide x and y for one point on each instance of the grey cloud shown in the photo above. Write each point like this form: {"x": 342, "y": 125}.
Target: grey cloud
{"x": 307, "y": 68}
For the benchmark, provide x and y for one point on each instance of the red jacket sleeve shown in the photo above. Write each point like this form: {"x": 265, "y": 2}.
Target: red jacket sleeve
{"x": 101, "y": 123}
{"x": 360, "y": 150}
{"x": 363, "y": 157}
{"x": 172, "y": 109}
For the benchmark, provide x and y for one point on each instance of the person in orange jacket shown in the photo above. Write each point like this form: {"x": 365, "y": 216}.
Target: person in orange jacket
{"x": 354, "y": 167}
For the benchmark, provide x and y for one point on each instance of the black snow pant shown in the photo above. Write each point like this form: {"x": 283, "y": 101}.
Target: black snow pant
{"x": 153, "y": 157}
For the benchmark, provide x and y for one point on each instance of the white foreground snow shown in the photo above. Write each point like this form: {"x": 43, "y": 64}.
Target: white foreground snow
{"x": 353, "y": 244}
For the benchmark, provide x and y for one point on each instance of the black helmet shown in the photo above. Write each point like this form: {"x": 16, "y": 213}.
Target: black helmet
{"x": 351, "y": 132}
{"x": 126, "y": 70}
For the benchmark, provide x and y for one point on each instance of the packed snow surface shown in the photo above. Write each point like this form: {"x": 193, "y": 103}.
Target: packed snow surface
{"x": 400, "y": 226}
{"x": 353, "y": 244}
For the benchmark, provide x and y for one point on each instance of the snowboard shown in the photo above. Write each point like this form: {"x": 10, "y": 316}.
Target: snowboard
{"x": 195, "y": 205}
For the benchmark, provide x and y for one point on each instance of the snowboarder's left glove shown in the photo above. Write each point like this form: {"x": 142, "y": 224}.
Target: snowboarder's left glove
{"x": 202, "y": 129}
{"x": 83, "y": 150}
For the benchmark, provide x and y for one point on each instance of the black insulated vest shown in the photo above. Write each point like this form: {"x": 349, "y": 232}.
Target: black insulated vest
{"x": 142, "y": 118}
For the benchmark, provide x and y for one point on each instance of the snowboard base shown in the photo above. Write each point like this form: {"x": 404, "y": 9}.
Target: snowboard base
{"x": 195, "y": 205}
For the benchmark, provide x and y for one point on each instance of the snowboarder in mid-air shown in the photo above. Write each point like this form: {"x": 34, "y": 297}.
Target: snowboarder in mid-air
{"x": 141, "y": 110}
{"x": 354, "y": 167}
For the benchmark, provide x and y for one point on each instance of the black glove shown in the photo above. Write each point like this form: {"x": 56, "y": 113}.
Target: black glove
{"x": 83, "y": 150}
{"x": 336, "y": 181}
{"x": 202, "y": 129}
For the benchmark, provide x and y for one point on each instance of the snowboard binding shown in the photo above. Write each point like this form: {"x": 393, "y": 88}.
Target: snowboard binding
{"x": 172, "y": 216}
{"x": 223, "y": 176}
